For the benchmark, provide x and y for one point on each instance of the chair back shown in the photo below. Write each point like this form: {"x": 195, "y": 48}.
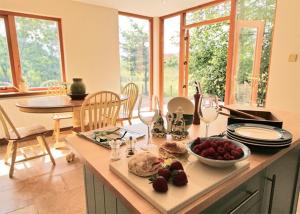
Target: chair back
{"x": 99, "y": 110}
{"x": 8, "y": 127}
{"x": 55, "y": 88}
{"x": 131, "y": 90}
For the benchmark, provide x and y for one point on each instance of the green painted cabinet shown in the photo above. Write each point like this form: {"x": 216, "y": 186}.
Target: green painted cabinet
{"x": 281, "y": 186}
{"x": 272, "y": 190}
{"x": 99, "y": 198}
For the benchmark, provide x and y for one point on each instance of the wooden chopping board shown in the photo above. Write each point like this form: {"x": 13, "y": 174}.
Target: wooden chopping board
{"x": 201, "y": 179}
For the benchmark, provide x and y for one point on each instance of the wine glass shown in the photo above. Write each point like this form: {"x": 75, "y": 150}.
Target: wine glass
{"x": 208, "y": 110}
{"x": 146, "y": 115}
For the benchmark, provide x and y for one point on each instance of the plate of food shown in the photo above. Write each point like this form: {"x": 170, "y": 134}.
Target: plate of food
{"x": 218, "y": 152}
{"x": 172, "y": 149}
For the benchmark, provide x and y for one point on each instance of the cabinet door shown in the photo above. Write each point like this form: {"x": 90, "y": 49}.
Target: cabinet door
{"x": 244, "y": 199}
{"x": 281, "y": 192}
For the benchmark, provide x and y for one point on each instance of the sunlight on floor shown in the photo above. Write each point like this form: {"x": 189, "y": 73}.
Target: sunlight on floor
{"x": 40, "y": 187}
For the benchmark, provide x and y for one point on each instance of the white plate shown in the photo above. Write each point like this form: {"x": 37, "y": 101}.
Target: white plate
{"x": 259, "y": 133}
{"x": 259, "y": 144}
{"x": 258, "y": 141}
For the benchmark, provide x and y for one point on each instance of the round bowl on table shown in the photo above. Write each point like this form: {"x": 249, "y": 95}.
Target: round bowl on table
{"x": 219, "y": 163}
{"x": 186, "y": 105}
{"x": 77, "y": 96}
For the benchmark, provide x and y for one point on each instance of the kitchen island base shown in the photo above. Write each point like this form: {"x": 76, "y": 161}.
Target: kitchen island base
{"x": 273, "y": 189}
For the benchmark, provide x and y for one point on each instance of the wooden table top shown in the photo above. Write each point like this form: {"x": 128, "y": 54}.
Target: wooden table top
{"x": 97, "y": 159}
{"x": 45, "y": 103}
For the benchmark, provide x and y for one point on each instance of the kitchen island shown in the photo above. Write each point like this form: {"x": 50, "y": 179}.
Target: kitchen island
{"x": 269, "y": 185}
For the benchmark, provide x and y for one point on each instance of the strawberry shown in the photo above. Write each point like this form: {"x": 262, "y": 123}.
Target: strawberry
{"x": 160, "y": 184}
{"x": 221, "y": 150}
{"x": 164, "y": 172}
{"x": 179, "y": 178}
{"x": 197, "y": 140}
{"x": 175, "y": 165}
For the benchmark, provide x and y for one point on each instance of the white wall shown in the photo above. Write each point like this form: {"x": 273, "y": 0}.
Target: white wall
{"x": 284, "y": 83}
{"x": 91, "y": 45}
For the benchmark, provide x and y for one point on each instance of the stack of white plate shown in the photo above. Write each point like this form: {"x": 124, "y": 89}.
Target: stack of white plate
{"x": 259, "y": 135}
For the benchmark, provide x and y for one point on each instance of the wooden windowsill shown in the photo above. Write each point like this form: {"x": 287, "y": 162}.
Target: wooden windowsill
{"x": 20, "y": 94}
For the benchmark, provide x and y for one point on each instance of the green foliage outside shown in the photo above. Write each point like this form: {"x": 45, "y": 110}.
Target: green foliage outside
{"x": 5, "y": 70}
{"x": 208, "y": 58}
{"x": 260, "y": 10}
{"x": 134, "y": 51}
{"x": 39, "y": 52}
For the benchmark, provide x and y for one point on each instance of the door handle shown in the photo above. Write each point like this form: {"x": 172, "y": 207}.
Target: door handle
{"x": 251, "y": 195}
{"x": 273, "y": 181}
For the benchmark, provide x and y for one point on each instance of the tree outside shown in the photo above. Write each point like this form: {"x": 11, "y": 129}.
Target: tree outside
{"x": 5, "y": 68}
{"x": 39, "y": 50}
{"x": 134, "y": 52}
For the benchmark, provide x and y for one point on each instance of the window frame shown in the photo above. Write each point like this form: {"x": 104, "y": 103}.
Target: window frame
{"x": 150, "y": 19}
{"x": 183, "y": 26}
{"x": 13, "y": 49}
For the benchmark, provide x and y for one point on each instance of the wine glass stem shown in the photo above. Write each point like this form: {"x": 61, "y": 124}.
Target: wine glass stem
{"x": 206, "y": 129}
{"x": 148, "y": 134}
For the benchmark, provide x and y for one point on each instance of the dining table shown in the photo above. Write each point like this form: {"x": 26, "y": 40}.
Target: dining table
{"x": 55, "y": 104}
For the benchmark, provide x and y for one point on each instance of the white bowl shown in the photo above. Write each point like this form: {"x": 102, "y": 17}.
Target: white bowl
{"x": 220, "y": 163}
{"x": 186, "y": 105}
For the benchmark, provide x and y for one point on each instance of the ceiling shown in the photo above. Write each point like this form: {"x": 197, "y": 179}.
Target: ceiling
{"x": 147, "y": 7}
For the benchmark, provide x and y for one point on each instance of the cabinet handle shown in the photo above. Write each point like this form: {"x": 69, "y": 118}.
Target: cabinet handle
{"x": 273, "y": 181}
{"x": 251, "y": 195}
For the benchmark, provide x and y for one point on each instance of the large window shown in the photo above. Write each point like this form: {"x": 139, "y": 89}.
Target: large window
{"x": 135, "y": 52}
{"x": 30, "y": 50}
{"x": 225, "y": 45}
{"x": 5, "y": 67}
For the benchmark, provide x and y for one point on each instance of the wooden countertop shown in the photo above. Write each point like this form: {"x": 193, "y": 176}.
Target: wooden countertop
{"x": 97, "y": 159}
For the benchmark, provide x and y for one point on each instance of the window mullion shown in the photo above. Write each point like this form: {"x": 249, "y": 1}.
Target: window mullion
{"x": 14, "y": 50}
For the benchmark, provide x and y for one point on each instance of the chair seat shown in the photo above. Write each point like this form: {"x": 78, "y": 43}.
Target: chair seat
{"x": 123, "y": 116}
{"x": 27, "y": 131}
{"x": 62, "y": 116}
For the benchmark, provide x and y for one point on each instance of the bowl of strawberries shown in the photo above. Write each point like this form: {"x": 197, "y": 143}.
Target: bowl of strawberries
{"x": 218, "y": 152}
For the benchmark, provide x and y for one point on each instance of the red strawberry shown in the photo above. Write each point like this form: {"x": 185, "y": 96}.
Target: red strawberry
{"x": 227, "y": 156}
{"x": 237, "y": 153}
{"x": 164, "y": 172}
{"x": 221, "y": 150}
{"x": 160, "y": 184}
{"x": 214, "y": 144}
{"x": 197, "y": 140}
{"x": 204, "y": 153}
{"x": 179, "y": 178}
{"x": 211, "y": 151}
{"x": 206, "y": 144}
{"x": 176, "y": 165}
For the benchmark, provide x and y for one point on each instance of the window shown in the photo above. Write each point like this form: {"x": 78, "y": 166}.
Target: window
{"x": 5, "y": 67}
{"x": 225, "y": 45}
{"x": 135, "y": 52}
{"x": 30, "y": 50}
{"x": 171, "y": 57}
{"x": 212, "y": 12}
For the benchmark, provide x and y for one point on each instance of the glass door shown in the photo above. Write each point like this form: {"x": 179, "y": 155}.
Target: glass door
{"x": 206, "y": 51}
{"x": 171, "y": 57}
{"x": 246, "y": 62}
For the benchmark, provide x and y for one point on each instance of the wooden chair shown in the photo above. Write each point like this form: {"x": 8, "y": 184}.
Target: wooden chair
{"x": 99, "y": 110}
{"x": 15, "y": 135}
{"x": 131, "y": 90}
{"x": 56, "y": 88}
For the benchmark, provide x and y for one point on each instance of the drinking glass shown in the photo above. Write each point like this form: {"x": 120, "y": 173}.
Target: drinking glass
{"x": 146, "y": 115}
{"x": 208, "y": 110}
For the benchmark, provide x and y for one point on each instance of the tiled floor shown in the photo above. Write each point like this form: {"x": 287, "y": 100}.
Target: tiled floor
{"x": 38, "y": 187}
